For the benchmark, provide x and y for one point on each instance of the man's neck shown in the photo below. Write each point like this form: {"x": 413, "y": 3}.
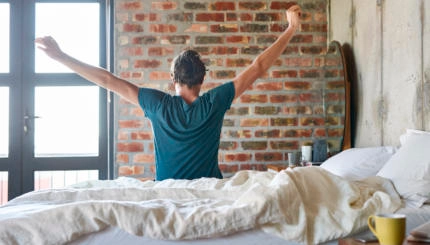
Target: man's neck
{"x": 189, "y": 95}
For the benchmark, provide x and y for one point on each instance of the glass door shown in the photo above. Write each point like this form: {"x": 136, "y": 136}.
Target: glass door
{"x": 60, "y": 118}
{"x": 7, "y": 86}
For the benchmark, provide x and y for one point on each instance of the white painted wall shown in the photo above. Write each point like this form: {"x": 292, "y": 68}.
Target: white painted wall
{"x": 390, "y": 45}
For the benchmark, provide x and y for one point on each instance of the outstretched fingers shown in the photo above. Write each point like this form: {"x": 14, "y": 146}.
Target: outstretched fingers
{"x": 49, "y": 46}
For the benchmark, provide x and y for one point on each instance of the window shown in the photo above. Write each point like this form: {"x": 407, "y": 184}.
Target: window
{"x": 60, "y": 179}
{"x": 68, "y": 30}
{"x": 71, "y": 127}
{"x": 4, "y": 122}
{"x": 5, "y": 34}
{"x": 53, "y": 123}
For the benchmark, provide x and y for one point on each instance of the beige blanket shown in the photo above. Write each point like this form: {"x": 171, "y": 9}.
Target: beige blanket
{"x": 307, "y": 205}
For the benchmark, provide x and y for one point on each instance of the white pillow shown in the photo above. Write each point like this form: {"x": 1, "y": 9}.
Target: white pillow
{"x": 409, "y": 132}
{"x": 409, "y": 169}
{"x": 359, "y": 163}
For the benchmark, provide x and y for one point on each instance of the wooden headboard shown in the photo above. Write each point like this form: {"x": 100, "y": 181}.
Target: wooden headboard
{"x": 347, "y": 141}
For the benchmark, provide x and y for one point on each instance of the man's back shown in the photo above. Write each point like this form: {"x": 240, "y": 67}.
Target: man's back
{"x": 187, "y": 136}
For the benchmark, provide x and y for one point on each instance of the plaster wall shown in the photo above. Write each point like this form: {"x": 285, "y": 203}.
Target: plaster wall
{"x": 390, "y": 65}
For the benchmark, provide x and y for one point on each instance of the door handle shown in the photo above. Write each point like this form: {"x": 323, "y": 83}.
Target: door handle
{"x": 31, "y": 117}
{"x": 26, "y": 118}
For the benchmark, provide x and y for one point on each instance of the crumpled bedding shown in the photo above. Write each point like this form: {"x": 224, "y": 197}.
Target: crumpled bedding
{"x": 307, "y": 205}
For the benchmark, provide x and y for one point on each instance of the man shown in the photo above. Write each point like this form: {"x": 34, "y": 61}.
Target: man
{"x": 187, "y": 126}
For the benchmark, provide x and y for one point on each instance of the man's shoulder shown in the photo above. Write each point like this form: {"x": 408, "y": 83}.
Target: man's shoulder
{"x": 150, "y": 99}
{"x": 223, "y": 87}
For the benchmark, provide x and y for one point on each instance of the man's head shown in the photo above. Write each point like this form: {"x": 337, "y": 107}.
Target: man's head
{"x": 188, "y": 69}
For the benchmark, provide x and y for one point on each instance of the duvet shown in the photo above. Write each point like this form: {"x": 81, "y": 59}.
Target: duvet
{"x": 308, "y": 205}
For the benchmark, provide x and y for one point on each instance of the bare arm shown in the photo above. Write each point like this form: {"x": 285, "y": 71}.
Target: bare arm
{"x": 264, "y": 60}
{"x": 97, "y": 75}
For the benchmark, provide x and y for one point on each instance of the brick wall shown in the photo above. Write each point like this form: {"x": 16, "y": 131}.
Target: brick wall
{"x": 282, "y": 111}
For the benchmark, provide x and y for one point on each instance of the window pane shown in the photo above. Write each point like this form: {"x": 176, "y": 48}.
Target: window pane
{"x": 60, "y": 179}
{"x": 75, "y": 26}
{"x": 4, "y": 40}
{"x": 3, "y": 187}
{"x": 68, "y": 123}
{"x": 4, "y": 122}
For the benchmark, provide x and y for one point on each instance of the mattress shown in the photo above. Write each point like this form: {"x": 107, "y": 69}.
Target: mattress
{"x": 114, "y": 235}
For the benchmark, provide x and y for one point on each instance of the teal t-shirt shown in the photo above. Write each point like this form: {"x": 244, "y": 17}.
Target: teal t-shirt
{"x": 187, "y": 136}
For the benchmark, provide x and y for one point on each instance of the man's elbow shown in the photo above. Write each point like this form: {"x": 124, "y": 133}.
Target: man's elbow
{"x": 258, "y": 67}
{"x": 107, "y": 80}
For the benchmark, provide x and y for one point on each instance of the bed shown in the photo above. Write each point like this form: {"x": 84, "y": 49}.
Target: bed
{"x": 304, "y": 205}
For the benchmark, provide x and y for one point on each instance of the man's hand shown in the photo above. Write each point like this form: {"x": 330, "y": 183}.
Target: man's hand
{"x": 50, "y": 47}
{"x": 293, "y": 16}
{"x": 97, "y": 75}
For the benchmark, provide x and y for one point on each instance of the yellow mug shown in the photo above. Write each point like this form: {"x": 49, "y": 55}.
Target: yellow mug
{"x": 390, "y": 229}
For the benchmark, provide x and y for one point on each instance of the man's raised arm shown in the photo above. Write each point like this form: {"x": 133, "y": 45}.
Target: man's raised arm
{"x": 94, "y": 74}
{"x": 266, "y": 59}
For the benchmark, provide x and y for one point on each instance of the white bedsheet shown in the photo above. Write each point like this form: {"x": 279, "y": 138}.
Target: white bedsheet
{"x": 307, "y": 205}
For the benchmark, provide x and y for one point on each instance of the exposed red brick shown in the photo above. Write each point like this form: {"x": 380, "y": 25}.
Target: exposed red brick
{"x": 217, "y": 17}
{"x": 237, "y": 157}
{"x": 268, "y": 156}
{"x": 284, "y": 145}
{"x": 224, "y": 28}
{"x": 297, "y": 133}
{"x": 245, "y": 17}
{"x": 146, "y": 17}
{"x": 239, "y": 134}
{"x": 238, "y": 39}
{"x": 199, "y": 28}
{"x": 320, "y": 132}
{"x": 268, "y": 86}
{"x": 284, "y": 73}
{"x": 238, "y": 62}
{"x": 228, "y": 168}
{"x": 228, "y": 145}
{"x": 254, "y": 122}
{"x": 312, "y": 121}
{"x": 298, "y": 85}
{"x": 254, "y": 145}
{"x": 130, "y": 170}
{"x": 283, "y": 5}
{"x": 143, "y": 158}
{"x": 141, "y": 135}
{"x": 129, "y": 147}
{"x": 160, "y": 51}
{"x": 275, "y": 133}
{"x": 252, "y": 5}
{"x": 130, "y": 123}
{"x": 146, "y": 63}
{"x": 136, "y": 5}
{"x": 159, "y": 75}
{"x": 128, "y": 27}
{"x": 335, "y": 132}
{"x": 300, "y": 62}
{"x": 122, "y": 158}
{"x": 131, "y": 51}
{"x": 162, "y": 28}
{"x": 283, "y": 98}
{"x": 163, "y": 5}
{"x": 250, "y": 98}
{"x": 256, "y": 167}
{"x": 222, "y": 6}
{"x": 122, "y": 135}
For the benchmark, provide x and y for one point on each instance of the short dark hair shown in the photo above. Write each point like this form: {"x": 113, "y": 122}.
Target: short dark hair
{"x": 188, "y": 68}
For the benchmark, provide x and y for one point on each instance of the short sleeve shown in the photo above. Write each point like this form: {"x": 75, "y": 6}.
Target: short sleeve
{"x": 150, "y": 99}
{"x": 223, "y": 95}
